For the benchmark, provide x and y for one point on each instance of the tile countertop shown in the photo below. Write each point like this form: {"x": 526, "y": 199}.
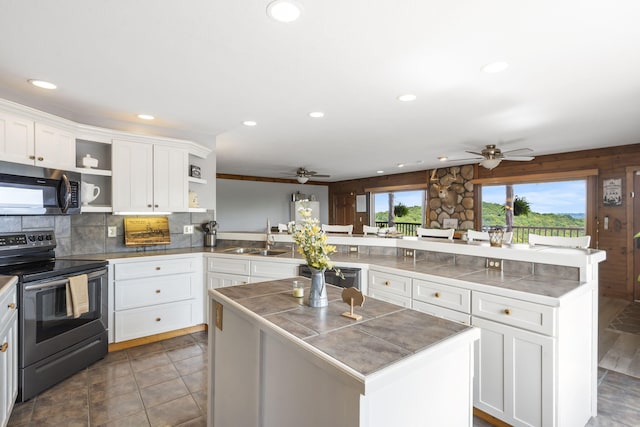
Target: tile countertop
{"x": 386, "y": 334}
{"x": 6, "y": 281}
{"x": 481, "y": 278}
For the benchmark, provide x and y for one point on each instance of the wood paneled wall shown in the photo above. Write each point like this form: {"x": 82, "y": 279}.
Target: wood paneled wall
{"x": 616, "y": 273}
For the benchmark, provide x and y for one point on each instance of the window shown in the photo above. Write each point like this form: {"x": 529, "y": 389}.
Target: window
{"x": 545, "y": 208}
{"x": 407, "y": 213}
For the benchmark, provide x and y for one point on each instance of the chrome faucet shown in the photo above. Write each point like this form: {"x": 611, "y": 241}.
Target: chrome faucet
{"x": 269, "y": 239}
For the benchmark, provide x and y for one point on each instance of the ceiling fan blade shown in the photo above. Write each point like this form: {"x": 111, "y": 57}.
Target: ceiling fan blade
{"x": 473, "y": 152}
{"x": 519, "y": 158}
{"x": 517, "y": 152}
{"x": 316, "y": 175}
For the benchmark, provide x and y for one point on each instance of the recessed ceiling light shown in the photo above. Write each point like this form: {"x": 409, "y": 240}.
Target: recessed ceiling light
{"x": 407, "y": 97}
{"x": 249, "y": 123}
{"x": 284, "y": 10}
{"x": 316, "y": 114}
{"x": 443, "y": 158}
{"x": 400, "y": 165}
{"x": 145, "y": 116}
{"x": 495, "y": 67}
{"x": 379, "y": 171}
{"x": 43, "y": 84}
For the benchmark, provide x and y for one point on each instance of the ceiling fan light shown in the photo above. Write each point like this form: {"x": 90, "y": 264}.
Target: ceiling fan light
{"x": 302, "y": 179}
{"x": 284, "y": 10}
{"x": 490, "y": 163}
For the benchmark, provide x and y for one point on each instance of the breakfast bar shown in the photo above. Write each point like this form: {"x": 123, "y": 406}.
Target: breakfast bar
{"x": 275, "y": 361}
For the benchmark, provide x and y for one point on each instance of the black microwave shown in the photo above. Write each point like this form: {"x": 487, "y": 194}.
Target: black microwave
{"x": 45, "y": 192}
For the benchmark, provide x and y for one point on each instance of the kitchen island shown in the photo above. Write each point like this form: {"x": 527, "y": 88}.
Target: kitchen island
{"x": 275, "y": 361}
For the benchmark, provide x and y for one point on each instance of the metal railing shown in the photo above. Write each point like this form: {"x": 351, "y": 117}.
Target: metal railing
{"x": 406, "y": 228}
{"x": 521, "y": 232}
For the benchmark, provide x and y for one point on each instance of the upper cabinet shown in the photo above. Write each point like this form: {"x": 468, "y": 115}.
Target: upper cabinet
{"x": 32, "y": 143}
{"x": 149, "y": 177}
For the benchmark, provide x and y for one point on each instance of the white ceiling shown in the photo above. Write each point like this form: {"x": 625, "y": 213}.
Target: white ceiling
{"x": 204, "y": 66}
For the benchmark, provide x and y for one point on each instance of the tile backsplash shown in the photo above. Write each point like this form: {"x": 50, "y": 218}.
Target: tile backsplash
{"x": 87, "y": 233}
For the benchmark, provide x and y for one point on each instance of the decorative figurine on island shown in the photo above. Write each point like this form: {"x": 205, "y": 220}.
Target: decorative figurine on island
{"x": 311, "y": 242}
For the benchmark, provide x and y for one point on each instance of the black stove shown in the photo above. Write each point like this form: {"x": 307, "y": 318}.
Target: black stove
{"x": 54, "y": 340}
{"x": 30, "y": 256}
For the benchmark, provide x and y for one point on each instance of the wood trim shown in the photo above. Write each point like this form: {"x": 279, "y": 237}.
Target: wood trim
{"x": 266, "y": 179}
{"x": 630, "y": 171}
{"x": 424, "y": 186}
{"x": 155, "y": 338}
{"x": 539, "y": 177}
{"x": 489, "y": 418}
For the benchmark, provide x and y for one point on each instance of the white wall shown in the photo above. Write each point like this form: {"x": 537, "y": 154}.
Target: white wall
{"x": 246, "y": 205}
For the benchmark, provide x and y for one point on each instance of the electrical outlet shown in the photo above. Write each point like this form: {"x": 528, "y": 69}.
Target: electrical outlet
{"x": 353, "y": 249}
{"x": 408, "y": 252}
{"x": 112, "y": 231}
{"x": 188, "y": 229}
{"x": 494, "y": 264}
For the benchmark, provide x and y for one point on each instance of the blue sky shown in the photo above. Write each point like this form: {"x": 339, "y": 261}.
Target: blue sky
{"x": 555, "y": 197}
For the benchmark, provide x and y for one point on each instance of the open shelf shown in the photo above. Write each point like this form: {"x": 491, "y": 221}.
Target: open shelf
{"x": 91, "y": 171}
{"x": 96, "y": 208}
{"x": 196, "y": 180}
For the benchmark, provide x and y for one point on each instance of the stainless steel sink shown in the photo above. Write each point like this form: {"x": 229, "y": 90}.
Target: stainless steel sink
{"x": 240, "y": 251}
{"x": 270, "y": 252}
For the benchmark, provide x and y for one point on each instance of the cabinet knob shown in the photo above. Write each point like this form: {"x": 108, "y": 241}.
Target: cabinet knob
{"x": 149, "y": 206}
{"x": 4, "y": 347}
{"x": 437, "y": 295}
{"x": 157, "y": 291}
{"x": 386, "y": 283}
{"x": 507, "y": 311}
{"x": 32, "y": 157}
{"x": 158, "y": 268}
{"x": 155, "y": 206}
{"x": 158, "y": 319}
{"x": 12, "y": 305}
{"x": 40, "y": 159}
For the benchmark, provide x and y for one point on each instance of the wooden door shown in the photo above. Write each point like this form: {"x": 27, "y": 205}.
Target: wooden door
{"x": 636, "y": 242}
{"x": 344, "y": 209}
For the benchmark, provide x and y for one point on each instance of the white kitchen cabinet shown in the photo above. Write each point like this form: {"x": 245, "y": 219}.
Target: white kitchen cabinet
{"x": 438, "y": 299}
{"x": 390, "y": 287}
{"x": 32, "y": 143}
{"x": 149, "y": 177}
{"x": 221, "y": 280}
{"x": 514, "y": 371}
{"x": 8, "y": 351}
{"x": 157, "y": 295}
{"x": 269, "y": 270}
{"x": 16, "y": 139}
{"x": 54, "y": 147}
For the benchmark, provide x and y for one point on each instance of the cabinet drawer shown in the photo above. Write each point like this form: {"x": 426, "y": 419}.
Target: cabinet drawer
{"x": 444, "y": 313}
{"x": 158, "y": 290}
{"x": 521, "y": 314}
{"x": 273, "y": 269}
{"x": 141, "y": 322}
{"x": 390, "y": 297}
{"x": 229, "y": 265}
{"x": 390, "y": 283}
{"x": 8, "y": 304}
{"x": 159, "y": 267}
{"x": 442, "y": 295}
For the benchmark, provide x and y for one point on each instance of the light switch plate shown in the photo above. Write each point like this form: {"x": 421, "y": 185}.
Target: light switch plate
{"x": 188, "y": 229}
{"x": 112, "y": 231}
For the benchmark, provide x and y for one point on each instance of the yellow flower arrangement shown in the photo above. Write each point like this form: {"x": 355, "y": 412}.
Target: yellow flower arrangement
{"x": 312, "y": 242}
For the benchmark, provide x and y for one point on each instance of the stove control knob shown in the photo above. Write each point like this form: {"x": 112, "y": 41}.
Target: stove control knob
{"x": 48, "y": 237}
{"x": 32, "y": 238}
{"x": 40, "y": 238}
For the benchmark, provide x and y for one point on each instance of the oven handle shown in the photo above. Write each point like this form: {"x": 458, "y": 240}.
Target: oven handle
{"x": 58, "y": 283}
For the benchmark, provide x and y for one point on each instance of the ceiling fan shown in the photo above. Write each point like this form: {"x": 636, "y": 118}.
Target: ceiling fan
{"x": 492, "y": 155}
{"x": 303, "y": 175}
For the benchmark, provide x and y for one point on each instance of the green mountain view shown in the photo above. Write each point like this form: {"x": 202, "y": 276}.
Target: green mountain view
{"x": 493, "y": 215}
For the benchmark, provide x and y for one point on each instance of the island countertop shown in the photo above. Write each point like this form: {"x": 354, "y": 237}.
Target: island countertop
{"x": 386, "y": 334}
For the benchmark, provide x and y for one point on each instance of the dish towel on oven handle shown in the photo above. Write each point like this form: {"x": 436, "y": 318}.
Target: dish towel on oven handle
{"x": 77, "y": 295}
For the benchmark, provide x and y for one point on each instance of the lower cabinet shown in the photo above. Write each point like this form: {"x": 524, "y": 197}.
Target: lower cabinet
{"x": 8, "y": 354}
{"x": 390, "y": 287}
{"x": 514, "y": 372}
{"x": 160, "y": 295}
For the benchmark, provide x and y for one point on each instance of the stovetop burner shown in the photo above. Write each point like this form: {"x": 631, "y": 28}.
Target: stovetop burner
{"x": 30, "y": 256}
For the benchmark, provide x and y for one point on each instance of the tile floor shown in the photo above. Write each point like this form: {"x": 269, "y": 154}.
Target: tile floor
{"x": 164, "y": 384}
{"x": 158, "y": 384}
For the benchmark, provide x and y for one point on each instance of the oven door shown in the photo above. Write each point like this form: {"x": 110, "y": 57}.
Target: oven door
{"x": 45, "y": 327}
